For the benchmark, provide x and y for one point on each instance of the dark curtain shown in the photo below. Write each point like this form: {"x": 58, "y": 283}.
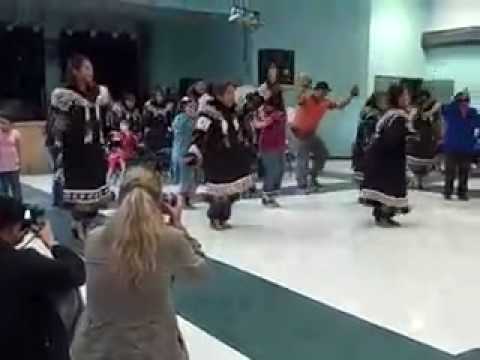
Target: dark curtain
{"x": 22, "y": 73}
{"x": 115, "y": 59}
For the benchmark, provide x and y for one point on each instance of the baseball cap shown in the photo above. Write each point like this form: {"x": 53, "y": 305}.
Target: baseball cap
{"x": 322, "y": 85}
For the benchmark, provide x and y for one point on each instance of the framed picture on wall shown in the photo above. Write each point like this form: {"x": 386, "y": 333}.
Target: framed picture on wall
{"x": 285, "y": 61}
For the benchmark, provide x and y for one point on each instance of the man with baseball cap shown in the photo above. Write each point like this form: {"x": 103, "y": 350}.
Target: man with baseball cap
{"x": 313, "y": 105}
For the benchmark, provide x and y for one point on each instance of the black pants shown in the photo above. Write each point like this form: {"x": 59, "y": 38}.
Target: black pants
{"x": 221, "y": 207}
{"x": 457, "y": 165}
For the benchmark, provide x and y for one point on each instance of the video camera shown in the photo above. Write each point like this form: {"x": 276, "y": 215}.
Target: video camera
{"x": 34, "y": 218}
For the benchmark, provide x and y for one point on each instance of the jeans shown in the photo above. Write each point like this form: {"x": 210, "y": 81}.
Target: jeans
{"x": 315, "y": 146}
{"x": 457, "y": 164}
{"x": 57, "y": 185}
{"x": 274, "y": 164}
{"x": 10, "y": 184}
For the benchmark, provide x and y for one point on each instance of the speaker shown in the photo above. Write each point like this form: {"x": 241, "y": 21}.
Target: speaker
{"x": 285, "y": 61}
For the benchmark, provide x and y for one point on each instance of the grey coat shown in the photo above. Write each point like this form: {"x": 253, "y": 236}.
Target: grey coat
{"x": 126, "y": 323}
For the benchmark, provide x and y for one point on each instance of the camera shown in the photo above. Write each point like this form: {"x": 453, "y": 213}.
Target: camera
{"x": 170, "y": 199}
{"x": 33, "y": 218}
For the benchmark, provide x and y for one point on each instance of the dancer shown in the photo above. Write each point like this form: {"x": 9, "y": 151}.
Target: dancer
{"x": 201, "y": 92}
{"x": 182, "y": 138}
{"x": 272, "y": 123}
{"x": 79, "y": 113}
{"x": 385, "y": 184}
{"x": 154, "y": 110}
{"x": 312, "y": 108}
{"x": 461, "y": 123}
{"x": 422, "y": 148}
{"x": 197, "y": 90}
{"x": 157, "y": 130}
{"x": 222, "y": 145}
{"x": 126, "y": 111}
{"x": 373, "y": 110}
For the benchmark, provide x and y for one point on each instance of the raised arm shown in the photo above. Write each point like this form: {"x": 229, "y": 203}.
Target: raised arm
{"x": 342, "y": 104}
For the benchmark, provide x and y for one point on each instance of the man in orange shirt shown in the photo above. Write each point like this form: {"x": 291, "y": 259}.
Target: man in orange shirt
{"x": 312, "y": 107}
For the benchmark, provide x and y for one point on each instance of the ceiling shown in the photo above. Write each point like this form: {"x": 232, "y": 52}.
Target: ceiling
{"x": 90, "y": 12}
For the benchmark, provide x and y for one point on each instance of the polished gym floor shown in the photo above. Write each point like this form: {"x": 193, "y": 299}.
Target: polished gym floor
{"x": 315, "y": 279}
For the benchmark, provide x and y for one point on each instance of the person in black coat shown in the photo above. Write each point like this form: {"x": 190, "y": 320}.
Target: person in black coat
{"x": 222, "y": 144}
{"x": 30, "y": 326}
{"x": 385, "y": 183}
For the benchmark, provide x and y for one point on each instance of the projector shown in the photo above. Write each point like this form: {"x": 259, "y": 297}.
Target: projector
{"x": 236, "y": 13}
{"x": 246, "y": 17}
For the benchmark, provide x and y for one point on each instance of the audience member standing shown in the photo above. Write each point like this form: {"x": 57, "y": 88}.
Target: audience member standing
{"x": 182, "y": 138}
{"x": 79, "y": 112}
{"x": 312, "y": 108}
{"x": 461, "y": 122}
{"x": 272, "y": 143}
{"x": 10, "y": 160}
{"x": 273, "y": 80}
{"x": 131, "y": 262}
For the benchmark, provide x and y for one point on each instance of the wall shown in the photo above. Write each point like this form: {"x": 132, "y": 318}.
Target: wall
{"x": 330, "y": 40}
{"x": 196, "y": 46}
{"x": 459, "y": 63}
{"x": 449, "y": 14}
{"x": 395, "y": 38}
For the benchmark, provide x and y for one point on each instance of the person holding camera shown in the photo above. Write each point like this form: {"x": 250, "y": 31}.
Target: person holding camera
{"x": 31, "y": 326}
{"x": 313, "y": 105}
{"x": 131, "y": 262}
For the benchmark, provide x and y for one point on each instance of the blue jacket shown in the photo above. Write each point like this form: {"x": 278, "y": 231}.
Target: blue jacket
{"x": 459, "y": 134}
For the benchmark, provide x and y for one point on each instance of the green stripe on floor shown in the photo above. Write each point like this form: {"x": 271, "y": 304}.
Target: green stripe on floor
{"x": 267, "y": 322}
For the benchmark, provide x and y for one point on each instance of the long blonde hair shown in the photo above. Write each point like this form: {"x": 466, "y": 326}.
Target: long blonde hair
{"x": 137, "y": 225}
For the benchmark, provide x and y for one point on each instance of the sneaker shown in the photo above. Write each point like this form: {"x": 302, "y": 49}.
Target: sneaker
{"x": 274, "y": 204}
{"x": 316, "y": 185}
{"x": 304, "y": 191}
{"x": 270, "y": 202}
{"x": 265, "y": 200}
{"x": 463, "y": 197}
{"x": 447, "y": 197}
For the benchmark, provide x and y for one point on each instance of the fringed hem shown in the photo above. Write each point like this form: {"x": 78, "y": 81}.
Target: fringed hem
{"x": 367, "y": 196}
{"x": 415, "y": 161}
{"x": 358, "y": 176}
{"x": 226, "y": 189}
{"x": 87, "y": 197}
